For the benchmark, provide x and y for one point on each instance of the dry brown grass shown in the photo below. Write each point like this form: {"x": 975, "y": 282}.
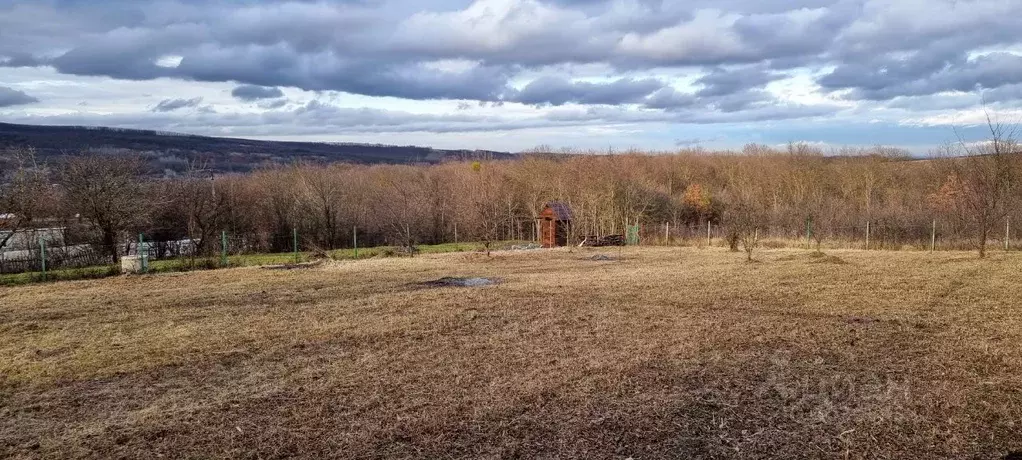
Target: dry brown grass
{"x": 660, "y": 353}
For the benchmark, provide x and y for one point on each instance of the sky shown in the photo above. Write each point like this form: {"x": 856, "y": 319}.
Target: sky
{"x": 516, "y": 74}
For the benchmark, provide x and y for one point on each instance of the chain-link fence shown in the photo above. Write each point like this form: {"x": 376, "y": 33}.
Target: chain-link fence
{"x": 48, "y": 252}
{"x": 936, "y": 235}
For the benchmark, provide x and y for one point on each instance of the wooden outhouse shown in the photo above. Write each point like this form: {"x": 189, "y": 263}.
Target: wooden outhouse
{"x": 553, "y": 223}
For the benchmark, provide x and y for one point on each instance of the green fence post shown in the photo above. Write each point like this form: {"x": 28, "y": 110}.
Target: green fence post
{"x": 354, "y": 239}
{"x": 223, "y": 248}
{"x": 294, "y": 242}
{"x": 42, "y": 255}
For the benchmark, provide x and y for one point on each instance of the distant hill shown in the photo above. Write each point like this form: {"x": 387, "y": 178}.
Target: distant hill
{"x": 173, "y": 151}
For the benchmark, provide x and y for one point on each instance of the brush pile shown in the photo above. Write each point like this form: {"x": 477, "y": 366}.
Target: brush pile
{"x": 609, "y": 240}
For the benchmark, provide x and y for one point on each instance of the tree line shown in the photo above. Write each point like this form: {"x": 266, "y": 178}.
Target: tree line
{"x": 798, "y": 191}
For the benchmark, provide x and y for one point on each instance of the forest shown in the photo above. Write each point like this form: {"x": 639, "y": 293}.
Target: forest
{"x": 967, "y": 193}
{"x": 169, "y": 153}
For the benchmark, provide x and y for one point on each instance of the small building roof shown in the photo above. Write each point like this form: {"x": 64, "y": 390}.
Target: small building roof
{"x": 560, "y": 209}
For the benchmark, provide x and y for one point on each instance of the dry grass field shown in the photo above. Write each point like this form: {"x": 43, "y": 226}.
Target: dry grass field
{"x": 658, "y": 353}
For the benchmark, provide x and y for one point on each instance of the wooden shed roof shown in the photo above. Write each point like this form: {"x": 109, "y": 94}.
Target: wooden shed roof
{"x": 560, "y": 209}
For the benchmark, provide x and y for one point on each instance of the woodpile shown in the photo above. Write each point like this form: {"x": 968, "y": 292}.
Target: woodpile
{"x": 609, "y": 240}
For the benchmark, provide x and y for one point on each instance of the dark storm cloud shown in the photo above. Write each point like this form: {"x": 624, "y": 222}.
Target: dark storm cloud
{"x": 273, "y": 104}
{"x": 213, "y": 37}
{"x": 251, "y": 93}
{"x": 169, "y": 105}
{"x": 695, "y": 61}
{"x": 918, "y": 48}
{"x": 735, "y": 98}
{"x": 670, "y": 98}
{"x": 17, "y": 59}
{"x": 378, "y": 48}
{"x": 1005, "y": 94}
{"x": 11, "y": 97}
{"x": 559, "y": 91}
{"x": 720, "y": 82}
{"x": 923, "y": 74}
{"x": 281, "y": 66}
{"x": 741, "y": 100}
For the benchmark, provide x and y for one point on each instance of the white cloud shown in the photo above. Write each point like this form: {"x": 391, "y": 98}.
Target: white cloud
{"x": 445, "y": 70}
{"x": 708, "y": 36}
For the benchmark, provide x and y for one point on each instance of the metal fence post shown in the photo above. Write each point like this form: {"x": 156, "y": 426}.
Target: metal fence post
{"x": 143, "y": 255}
{"x": 1007, "y": 232}
{"x": 223, "y": 248}
{"x": 809, "y": 232}
{"x": 42, "y": 255}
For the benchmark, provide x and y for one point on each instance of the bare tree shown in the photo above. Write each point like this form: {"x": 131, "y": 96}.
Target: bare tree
{"x": 107, "y": 192}
{"x": 205, "y": 208}
{"x": 746, "y": 210}
{"x": 980, "y": 179}
{"x": 406, "y": 205}
{"x": 487, "y": 210}
{"x": 322, "y": 192}
{"x": 400, "y": 203}
{"x": 25, "y": 193}
{"x": 277, "y": 206}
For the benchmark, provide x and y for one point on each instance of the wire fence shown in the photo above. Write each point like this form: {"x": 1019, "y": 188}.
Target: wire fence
{"x": 44, "y": 253}
{"x": 50, "y": 252}
{"x": 936, "y": 236}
